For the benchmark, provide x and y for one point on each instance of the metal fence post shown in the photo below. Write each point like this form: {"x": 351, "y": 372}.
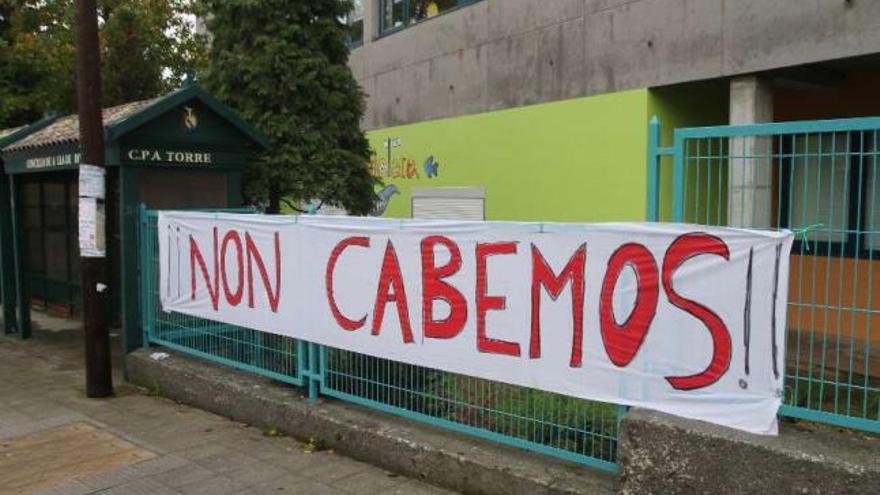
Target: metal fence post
{"x": 314, "y": 370}
{"x": 653, "y": 200}
{"x": 145, "y": 250}
{"x": 678, "y": 179}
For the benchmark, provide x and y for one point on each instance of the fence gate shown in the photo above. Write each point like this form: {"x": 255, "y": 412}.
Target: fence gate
{"x": 573, "y": 429}
{"x": 822, "y": 180}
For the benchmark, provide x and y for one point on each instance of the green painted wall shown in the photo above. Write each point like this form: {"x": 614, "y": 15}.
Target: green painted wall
{"x": 581, "y": 160}
{"x": 689, "y": 105}
{"x": 576, "y": 160}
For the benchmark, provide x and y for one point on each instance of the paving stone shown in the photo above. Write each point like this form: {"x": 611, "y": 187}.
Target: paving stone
{"x": 142, "y": 486}
{"x": 295, "y": 485}
{"x": 112, "y": 478}
{"x": 184, "y": 475}
{"x": 333, "y": 468}
{"x": 255, "y": 473}
{"x": 226, "y": 461}
{"x": 72, "y": 487}
{"x": 217, "y": 485}
{"x": 367, "y": 483}
{"x": 413, "y": 488}
{"x": 196, "y": 452}
{"x": 161, "y": 464}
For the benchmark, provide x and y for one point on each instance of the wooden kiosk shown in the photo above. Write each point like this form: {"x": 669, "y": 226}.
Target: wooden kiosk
{"x": 182, "y": 150}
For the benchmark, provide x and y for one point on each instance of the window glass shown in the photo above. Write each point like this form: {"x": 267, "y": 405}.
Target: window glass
{"x": 34, "y": 255}
{"x": 355, "y": 22}
{"x": 424, "y": 9}
{"x": 54, "y": 203}
{"x": 73, "y": 201}
{"x": 73, "y": 256}
{"x": 399, "y": 13}
{"x": 820, "y": 186}
{"x": 393, "y": 15}
{"x": 30, "y": 194}
{"x": 56, "y": 250}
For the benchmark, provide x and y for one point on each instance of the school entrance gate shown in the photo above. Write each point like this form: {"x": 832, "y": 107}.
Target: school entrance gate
{"x": 820, "y": 179}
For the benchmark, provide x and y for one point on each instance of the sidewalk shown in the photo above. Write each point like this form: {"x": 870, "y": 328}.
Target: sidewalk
{"x": 54, "y": 440}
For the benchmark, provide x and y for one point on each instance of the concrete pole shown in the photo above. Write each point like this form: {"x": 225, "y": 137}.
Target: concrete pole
{"x": 750, "y": 166}
{"x": 372, "y": 16}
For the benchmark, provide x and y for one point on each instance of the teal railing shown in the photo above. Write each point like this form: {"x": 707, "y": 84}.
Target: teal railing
{"x": 573, "y": 429}
{"x": 820, "y": 179}
{"x": 270, "y": 355}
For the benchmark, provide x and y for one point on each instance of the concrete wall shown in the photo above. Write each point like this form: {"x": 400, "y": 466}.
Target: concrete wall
{"x": 502, "y": 53}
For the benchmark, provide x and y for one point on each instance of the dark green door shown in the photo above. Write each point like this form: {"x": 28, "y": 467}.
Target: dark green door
{"x": 49, "y": 225}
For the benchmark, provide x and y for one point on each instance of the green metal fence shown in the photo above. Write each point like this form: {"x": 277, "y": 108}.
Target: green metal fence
{"x": 573, "y": 429}
{"x": 822, "y": 180}
{"x": 270, "y": 355}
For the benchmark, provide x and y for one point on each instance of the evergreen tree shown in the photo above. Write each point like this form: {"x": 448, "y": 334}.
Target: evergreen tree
{"x": 283, "y": 65}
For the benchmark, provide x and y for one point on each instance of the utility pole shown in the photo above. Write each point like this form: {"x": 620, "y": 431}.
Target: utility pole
{"x": 93, "y": 259}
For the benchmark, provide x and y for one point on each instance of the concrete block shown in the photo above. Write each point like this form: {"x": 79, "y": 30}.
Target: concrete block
{"x": 455, "y": 84}
{"x": 524, "y": 69}
{"x": 452, "y": 32}
{"x": 571, "y": 59}
{"x": 397, "y": 95}
{"x": 416, "y": 450}
{"x": 356, "y": 62}
{"x": 561, "y": 60}
{"x": 600, "y": 62}
{"x": 660, "y": 453}
{"x": 654, "y": 42}
{"x": 759, "y": 35}
{"x": 496, "y": 55}
{"x": 515, "y": 17}
{"x": 393, "y": 52}
{"x": 593, "y": 6}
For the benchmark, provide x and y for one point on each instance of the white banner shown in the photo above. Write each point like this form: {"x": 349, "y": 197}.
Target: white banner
{"x": 684, "y": 319}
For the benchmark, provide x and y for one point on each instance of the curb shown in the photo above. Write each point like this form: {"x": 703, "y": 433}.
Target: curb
{"x": 686, "y": 456}
{"x": 441, "y": 457}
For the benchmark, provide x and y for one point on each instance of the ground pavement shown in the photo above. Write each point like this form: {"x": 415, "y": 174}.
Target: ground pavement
{"x": 53, "y": 440}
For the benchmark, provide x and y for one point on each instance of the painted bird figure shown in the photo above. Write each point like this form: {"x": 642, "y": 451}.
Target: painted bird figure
{"x": 431, "y": 167}
{"x": 384, "y": 195}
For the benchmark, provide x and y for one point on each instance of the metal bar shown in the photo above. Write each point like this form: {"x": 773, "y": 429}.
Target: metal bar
{"x": 781, "y": 128}
{"x": 653, "y": 201}
{"x": 145, "y": 270}
{"x": 868, "y": 425}
{"x": 20, "y": 263}
{"x": 314, "y": 371}
{"x": 601, "y": 464}
{"x": 678, "y": 178}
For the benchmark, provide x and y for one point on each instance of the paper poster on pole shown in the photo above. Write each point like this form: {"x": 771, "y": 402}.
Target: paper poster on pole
{"x": 91, "y": 182}
{"x": 92, "y": 243}
{"x": 684, "y": 319}
{"x": 91, "y": 228}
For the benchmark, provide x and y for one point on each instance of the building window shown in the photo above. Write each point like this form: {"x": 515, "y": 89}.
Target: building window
{"x": 831, "y": 184}
{"x": 355, "y": 22}
{"x": 397, "y": 14}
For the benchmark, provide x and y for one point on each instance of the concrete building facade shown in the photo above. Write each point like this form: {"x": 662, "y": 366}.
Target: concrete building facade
{"x": 494, "y": 54}
{"x": 514, "y": 96}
